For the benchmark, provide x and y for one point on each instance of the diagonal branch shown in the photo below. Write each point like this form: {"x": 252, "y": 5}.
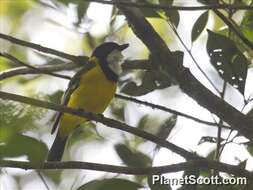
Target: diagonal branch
{"x": 234, "y": 29}
{"x": 35, "y": 69}
{"x": 187, "y": 82}
{"x": 184, "y": 166}
{"x": 126, "y": 3}
{"x": 101, "y": 119}
{"x": 49, "y": 69}
{"x": 75, "y": 59}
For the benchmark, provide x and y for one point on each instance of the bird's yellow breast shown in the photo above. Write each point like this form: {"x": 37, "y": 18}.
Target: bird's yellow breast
{"x": 93, "y": 94}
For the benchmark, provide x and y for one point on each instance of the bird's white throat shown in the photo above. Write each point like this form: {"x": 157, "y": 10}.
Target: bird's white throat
{"x": 115, "y": 60}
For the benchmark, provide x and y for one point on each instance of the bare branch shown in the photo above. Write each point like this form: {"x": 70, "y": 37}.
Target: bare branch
{"x": 201, "y": 164}
{"x": 101, "y": 119}
{"x": 39, "y": 70}
{"x": 75, "y": 59}
{"x": 44, "y": 69}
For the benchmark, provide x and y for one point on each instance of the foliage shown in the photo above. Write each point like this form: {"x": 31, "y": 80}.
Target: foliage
{"x": 115, "y": 183}
{"x": 226, "y": 58}
{"x": 199, "y": 25}
{"x": 24, "y": 129}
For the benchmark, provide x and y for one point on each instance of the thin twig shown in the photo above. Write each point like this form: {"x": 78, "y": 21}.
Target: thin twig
{"x": 43, "y": 180}
{"x": 173, "y": 7}
{"x": 163, "y": 108}
{"x": 218, "y": 143}
{"x": 39, "y": 70}
{"x": 194, "y": 60}
{"x": 133, "y": 64}
{"x": 17, "y": 61}
{"x": 75, "y": 59}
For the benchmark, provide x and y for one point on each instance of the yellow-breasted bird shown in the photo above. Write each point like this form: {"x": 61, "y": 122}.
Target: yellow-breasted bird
{"x": 91, "y": 91}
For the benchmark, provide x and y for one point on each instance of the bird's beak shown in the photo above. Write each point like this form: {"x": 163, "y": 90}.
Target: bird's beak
{"x": 123, "y": 46}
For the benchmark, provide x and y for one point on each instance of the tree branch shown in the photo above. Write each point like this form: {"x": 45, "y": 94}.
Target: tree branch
{"x": 101, "y": 119}
{"x": 201, "y": 164}
{"x": 39, "y": 70}
{"x": 18, "y": 62}
{"x": 128, "y": 64}
{"x": 75, "y": 59}
{"x": 234, "y": 29}
{"x": 173, "y": 7}
{"x": 187, "y": 82}
{"x": 44, "y": 69}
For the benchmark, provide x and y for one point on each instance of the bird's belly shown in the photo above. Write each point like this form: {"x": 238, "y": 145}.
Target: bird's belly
{"x": 91, "y": 96}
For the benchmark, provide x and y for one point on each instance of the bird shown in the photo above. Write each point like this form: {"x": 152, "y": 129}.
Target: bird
{"x": 91, "y": 91}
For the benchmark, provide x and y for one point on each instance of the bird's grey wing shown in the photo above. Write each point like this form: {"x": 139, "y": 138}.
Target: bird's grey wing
{"x": 73, "y": 84}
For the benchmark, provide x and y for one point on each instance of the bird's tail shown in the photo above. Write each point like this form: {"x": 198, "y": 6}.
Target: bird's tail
{"x": 57, "y": 149}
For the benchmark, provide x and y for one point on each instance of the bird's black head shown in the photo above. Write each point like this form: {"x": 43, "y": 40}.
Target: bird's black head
{"x": 109, "y": 56}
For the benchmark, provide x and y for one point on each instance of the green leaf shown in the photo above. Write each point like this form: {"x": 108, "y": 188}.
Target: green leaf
{"x": 199, "y": 26}
{"x": 19, "y": 116}
{"x": 147, "y": 12}
{"x": 81, "y": 10}
{"x": 190, "y": 172}
{"x": 143, "y": 122}
{"x": 151, "y": 81}
{"x": 20, "y": 145}
{"x": 243, "y": 164}
{"x": 250, "y": 147}
{"x": 151, "y": 13}
{"x": 166, "y": 128}
{"x": 210, "y": 155}
{"x": 66, "y": 2}
{"x": 205, "y": 173}
{"x": 132, "y": 158}
{"x": 56, "y": 96}
{"x": 208, "y": 139}
{"x": 173, "y": 15}
{"x": 157, "y": 186}
{"x": 247, "y": 25}
{"x": 132, "y": 89}
{"x": 226, "y": 58}
{"x": 118, "y": 109}
{"x": 110, "y": 184}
